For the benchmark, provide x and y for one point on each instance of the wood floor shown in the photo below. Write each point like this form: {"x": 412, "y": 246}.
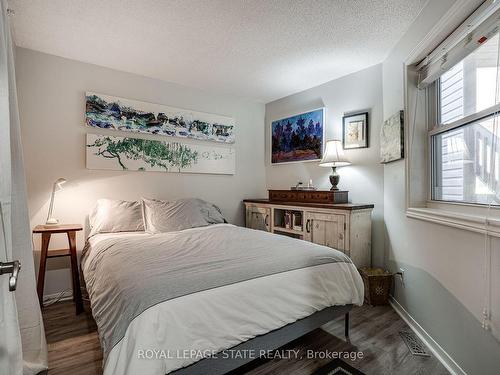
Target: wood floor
{"x": 74, "y": 345}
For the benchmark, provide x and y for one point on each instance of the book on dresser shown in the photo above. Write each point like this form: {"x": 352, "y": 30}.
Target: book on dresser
{"x": 342, "y": 226}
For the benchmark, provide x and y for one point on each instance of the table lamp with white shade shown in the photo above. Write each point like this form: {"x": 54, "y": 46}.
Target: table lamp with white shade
{"x": 57, "y": 186}
{"x": 334, "y": 157}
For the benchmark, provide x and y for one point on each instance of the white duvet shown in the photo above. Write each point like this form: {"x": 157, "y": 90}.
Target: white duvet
{"x": 178, "y": 332}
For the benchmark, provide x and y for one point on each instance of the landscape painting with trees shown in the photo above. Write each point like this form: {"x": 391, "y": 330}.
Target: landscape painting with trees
{"x": 298, "y": 138}
{"x": 138, "y": 154}
{"x": 110, "y": 112}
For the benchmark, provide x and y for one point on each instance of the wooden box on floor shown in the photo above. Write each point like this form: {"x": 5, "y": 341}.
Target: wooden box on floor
{"x": 377, "y": 285}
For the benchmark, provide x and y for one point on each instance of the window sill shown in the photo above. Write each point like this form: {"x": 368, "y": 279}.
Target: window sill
{"x": 471, "y": 222}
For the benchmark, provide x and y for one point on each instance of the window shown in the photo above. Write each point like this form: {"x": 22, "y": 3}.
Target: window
{"x": 469, "y": 87}
{"x": 451, "y": 94}
{"x": 453, "y": 126}
{"x": 463, "y": 143}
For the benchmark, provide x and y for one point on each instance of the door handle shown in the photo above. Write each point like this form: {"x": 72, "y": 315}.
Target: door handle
{"x": 266, "y": 221}
{"x": 13, "y": 268}
{"x": 308, "y": 226}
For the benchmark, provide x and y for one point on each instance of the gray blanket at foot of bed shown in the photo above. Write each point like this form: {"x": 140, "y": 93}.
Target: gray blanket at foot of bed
{"x": 129, "y": 273}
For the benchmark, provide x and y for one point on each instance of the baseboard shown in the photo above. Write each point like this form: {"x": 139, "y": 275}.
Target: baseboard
{"x": 67, "y": 295}
{"x": 433, "y": 346}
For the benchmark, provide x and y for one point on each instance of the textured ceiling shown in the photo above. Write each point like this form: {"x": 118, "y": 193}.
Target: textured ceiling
{"x": 260, "y": 49}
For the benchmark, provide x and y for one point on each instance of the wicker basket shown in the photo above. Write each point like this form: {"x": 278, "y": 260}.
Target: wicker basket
{"x": 377, "y": 285}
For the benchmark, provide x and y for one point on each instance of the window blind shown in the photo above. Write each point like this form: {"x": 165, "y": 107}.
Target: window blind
{"x": 482, "y": 25}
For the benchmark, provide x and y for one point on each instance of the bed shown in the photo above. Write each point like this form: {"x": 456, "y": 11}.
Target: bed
{"x": 181, "y": 302}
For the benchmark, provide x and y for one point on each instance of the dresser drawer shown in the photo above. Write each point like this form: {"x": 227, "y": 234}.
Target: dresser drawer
{"x": 283, "y": 195}
{"x": 314, "y": 197}
{"x": 304, "y": 196}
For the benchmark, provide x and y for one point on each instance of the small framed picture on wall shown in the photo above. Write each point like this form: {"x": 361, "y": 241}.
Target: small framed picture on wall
{"x": 355, "y": 131}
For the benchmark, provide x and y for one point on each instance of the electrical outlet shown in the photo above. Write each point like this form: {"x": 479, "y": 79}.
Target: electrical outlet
{"x": 401, "y": 274}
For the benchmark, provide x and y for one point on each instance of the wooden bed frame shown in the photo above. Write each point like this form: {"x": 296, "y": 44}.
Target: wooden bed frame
{"x": 270, "y": 341}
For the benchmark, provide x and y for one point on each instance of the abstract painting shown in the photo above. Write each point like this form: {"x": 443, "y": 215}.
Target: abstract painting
{"x": 109, "y": 112}
{"x": 355, "y": 131}
{"x": 392, "y": 138}
{"x": 137, "y": 154}
{"x": 298, "y": 138}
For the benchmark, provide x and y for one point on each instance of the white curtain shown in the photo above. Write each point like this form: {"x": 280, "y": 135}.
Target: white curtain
{"x": 21, "y": 323}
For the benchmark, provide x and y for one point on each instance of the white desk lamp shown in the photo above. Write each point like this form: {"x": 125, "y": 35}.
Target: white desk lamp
{"x": 334, "y": 157}
{"x": 57, "y": 186}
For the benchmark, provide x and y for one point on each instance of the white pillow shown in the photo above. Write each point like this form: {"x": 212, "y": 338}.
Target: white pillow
{"x": 162, "y": 216}
{"x": 211, "y": 213}
{"x": 116, "y": 216}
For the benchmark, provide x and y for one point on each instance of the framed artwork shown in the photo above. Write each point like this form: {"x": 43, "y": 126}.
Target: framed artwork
{"x": 298, "y": 138}
{"x": 392, "y": 138}
{"x": 139, "y": 154}
{"x": 110, "y": 112}
{"x": 355, "y": 131}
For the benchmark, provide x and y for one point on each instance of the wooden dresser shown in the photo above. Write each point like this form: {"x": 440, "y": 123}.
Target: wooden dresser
{"x": 342, "y": 226}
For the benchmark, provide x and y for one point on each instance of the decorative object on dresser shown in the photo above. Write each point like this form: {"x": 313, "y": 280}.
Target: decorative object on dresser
{"x": 70, "y": 231}
{"x": 334, "y": 157}
{"x": 355, "y": 131}
{"x": 392, "y": 138}
{"x": 300, "y": 186}
{"x": 298, "y": 138}
{"x": 345, "y": 227}
{"x": 57, "y": 186}
{"x": 309, "y": 196}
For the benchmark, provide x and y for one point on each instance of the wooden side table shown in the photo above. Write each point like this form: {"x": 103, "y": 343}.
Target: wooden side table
{"x": 47, "y": 231}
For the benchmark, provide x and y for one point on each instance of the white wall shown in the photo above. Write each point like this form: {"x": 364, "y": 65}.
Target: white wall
{"x": 51, "y": 93}
{"x": 358, "y": 92}
{"x": 444, "y": 284}
{"x": 443, "y": 266}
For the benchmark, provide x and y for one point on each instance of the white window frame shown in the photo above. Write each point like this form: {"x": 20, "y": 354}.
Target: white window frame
{"x": 473, "y": 217}
{"x": 438, "y": 128}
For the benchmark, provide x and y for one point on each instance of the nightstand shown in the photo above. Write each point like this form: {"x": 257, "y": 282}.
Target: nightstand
{"x": 46, "y": 232}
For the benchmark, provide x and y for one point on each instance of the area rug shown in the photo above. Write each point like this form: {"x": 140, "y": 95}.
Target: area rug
{"x": 337, "y": 367}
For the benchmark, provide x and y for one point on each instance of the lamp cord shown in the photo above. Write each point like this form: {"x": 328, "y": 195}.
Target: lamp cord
{"x": 413, "y": 126}
{"x": 492, "y": 192}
